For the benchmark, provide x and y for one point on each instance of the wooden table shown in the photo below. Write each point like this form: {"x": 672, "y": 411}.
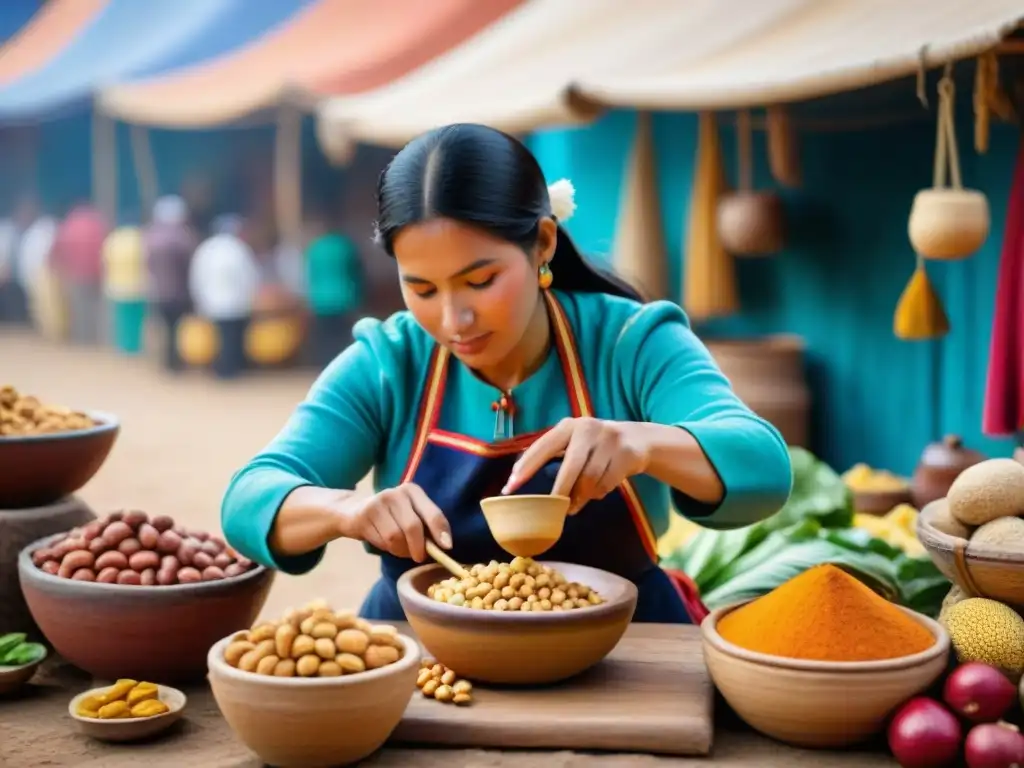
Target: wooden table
{"x": 35, "y": 731}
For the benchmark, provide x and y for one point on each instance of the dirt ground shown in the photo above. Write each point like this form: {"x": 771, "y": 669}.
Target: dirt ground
{"x": 181, "y": 439}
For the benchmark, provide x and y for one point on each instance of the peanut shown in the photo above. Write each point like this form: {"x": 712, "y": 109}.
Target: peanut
{"x": 236, "y": 650}
{"x": 283, "y": 639}
{"x": 350, "y": 663}
{"x": 352, "y": 641}
{"x": 380, "y": 656}
{"x": 267, "y": 665}
{"x": 324, "y": 648}
{"x": 307, "y": 666}
{"x": 303, "y": 645}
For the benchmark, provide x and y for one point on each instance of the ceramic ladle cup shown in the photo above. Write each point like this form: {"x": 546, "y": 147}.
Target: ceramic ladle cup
{"x": 527, "y": 525}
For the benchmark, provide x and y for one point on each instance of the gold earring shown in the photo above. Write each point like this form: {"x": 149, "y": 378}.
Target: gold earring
{"x": 544, "y": 276}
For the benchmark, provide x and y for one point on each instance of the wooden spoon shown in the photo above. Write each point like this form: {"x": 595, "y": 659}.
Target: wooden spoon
{"x": 446, "y": 560}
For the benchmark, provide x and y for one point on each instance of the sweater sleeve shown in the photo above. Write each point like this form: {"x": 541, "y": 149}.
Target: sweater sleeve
{"x": 674, "y": 381}
{"x": 331, "y": 440}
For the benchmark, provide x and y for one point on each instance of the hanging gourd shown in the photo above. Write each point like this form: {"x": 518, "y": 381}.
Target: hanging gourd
{"x": 198, "y": 341}
{"x": 919, "y": 313}
{"x": 709, "y": 272}
{"x": 783, "y": 147}
{"x": 948, "y": 223}
{"x": 750, "y": 222}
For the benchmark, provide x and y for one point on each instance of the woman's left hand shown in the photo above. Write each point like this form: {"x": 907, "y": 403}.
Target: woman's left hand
{"x": 598, "y": 456}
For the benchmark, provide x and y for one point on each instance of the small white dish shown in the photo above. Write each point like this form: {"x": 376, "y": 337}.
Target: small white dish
{"x": 129, "y": 728}
{"x": 12, "y": 678}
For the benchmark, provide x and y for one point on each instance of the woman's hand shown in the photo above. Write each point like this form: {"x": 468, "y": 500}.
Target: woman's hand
{"x": 394, "y": 520}
{"x": 598, "y": 456}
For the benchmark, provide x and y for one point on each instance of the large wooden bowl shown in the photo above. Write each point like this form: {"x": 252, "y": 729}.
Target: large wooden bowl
{"x": 37, "y": 470}
{"x": 817, "y": 703}
{"x": 314, "y": 721}
{"x": 513, "y": 647}
{"x": 979, "y": 572}
{"x": 157, "y": 634}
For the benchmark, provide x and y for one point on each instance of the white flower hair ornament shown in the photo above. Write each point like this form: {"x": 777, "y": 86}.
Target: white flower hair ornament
{"x": 563, "y": 200}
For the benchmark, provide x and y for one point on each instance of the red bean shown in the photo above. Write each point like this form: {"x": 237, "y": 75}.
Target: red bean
{"x": 223, "y": 560}
{"x": 92, "y": 530}
{"x": 212, "y": 573}
{"x": 140, "y": 561}
{"x": 189, "y": 576}
{"x": 245, "y": 562}
{"x": 149, "y": 577}
{"x": 108, "y": 576}
{"x": 162, "y": 523}
{"x": 169, "y": 563}
{"x": 200, "y": 535}
{"x": 129, "y": 546}
{"x": 149, "y": 536}
{"x": 169, "y": 543}
{"x": 135, "y": 518}
{"x": 186, "y": 552}
{"x": 210, "y": 547}
{"x": 98, "y": 545}
{"x": 40, "y": 556}
{"x": 51, "y": 567}
{"x": 113, "y": 517}
{"x": 84, "y": 574}
{"x": 117, "y": 532}
{"x": 202, "y": 561}
{"x": 129, "y": 578}
{"x": 80, "y": 558}
{"x": 165, "y": 577}
{"x": 112, "y": 559}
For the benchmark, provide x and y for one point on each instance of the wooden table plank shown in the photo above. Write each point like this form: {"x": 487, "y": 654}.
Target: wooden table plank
{"x": 652, "y": 694}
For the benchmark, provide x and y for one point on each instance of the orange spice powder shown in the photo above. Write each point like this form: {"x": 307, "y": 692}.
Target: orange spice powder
{"x": 825, "y": 614}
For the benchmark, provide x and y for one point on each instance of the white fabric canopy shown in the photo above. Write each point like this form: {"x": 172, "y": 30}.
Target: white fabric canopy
{"x": 557, "y": 62}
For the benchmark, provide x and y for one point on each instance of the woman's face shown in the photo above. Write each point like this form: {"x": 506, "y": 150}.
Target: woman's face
{"x": 474, "y": 293}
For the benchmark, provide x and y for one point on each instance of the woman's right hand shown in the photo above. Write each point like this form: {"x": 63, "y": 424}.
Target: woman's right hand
{"x": 397, "y": 521}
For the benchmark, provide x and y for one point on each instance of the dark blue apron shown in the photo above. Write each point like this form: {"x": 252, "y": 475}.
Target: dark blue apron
{"x": 456, "y": 471}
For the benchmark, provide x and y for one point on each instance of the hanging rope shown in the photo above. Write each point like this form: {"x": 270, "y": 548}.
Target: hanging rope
{"x": 745, "y": 150}
{"x": 946, "y": 154}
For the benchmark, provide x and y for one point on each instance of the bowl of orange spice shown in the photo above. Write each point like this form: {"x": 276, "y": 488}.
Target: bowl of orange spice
{"x": 822, "y": 660}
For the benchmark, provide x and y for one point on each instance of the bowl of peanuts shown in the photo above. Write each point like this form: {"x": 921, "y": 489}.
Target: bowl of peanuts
{"x": 137, "y": 596}
{"x": 317, "y": 687}
{"x": 48, "y": 452}
{"x": 517, "y": 623}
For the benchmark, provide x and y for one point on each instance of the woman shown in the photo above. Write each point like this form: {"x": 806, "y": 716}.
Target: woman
{"x": 518, "y": 368}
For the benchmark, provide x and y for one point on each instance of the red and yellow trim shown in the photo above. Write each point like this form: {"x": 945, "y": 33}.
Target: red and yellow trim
{"x": 582, "y": 406}
{"x": 579, "y": 399}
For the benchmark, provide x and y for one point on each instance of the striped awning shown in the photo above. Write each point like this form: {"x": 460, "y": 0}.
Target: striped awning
{"x": 559, "y": 62}
{"x": 45, "y": 35}
{"x": 334, "y": 46}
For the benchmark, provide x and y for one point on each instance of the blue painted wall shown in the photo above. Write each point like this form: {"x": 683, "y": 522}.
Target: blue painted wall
{"x": 876, "y": 399}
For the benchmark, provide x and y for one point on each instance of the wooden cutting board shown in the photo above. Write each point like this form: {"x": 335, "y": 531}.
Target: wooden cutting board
{"x": 651, "y": 694}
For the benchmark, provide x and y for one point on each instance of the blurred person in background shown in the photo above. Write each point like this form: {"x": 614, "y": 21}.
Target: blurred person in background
{"x": 47, "y": 306}
{"x": 124, "y": 287}
{"x": 224, "y": 281}
{"x": 169, "y": 241}
{"x": 78, "y": 263}
{"x": 8, "y": 286}
{"x": 13, "y": 299}
{"x": 334, "y": 282}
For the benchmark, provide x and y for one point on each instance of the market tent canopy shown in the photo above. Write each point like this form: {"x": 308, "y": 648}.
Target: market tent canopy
{"x": 45, "y": 35}
{"x": 804, "y": 49}
{"x": 133, "y": 39}
{"x": 14, "y": 14}
{"x": 334, "y": 46}
{"x": 559, "y": 62}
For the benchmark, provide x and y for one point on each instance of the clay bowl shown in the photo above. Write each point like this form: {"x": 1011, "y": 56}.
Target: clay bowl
{"x": 12, "y": 678}
{"x": 815, "y": 703}
{"x": 159, "y": 634}
{"x": 514, "y": 647}
{"x": 526, "y": 525}
{"x": 880, "y": 502}
{"x": 313, "y": 721}
{"x": 997, "y": 575}
{"x": 41, "y": 469}
{"x": 129, "y": 728}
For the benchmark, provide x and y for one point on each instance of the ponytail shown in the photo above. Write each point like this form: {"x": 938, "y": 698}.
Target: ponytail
{"x": 572, "y": 272}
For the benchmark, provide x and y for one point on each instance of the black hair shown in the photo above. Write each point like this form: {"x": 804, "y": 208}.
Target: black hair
{"x": 485, "y": 178}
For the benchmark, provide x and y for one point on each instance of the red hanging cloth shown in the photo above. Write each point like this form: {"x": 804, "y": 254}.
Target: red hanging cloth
{"x": 1004, "y": 393}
